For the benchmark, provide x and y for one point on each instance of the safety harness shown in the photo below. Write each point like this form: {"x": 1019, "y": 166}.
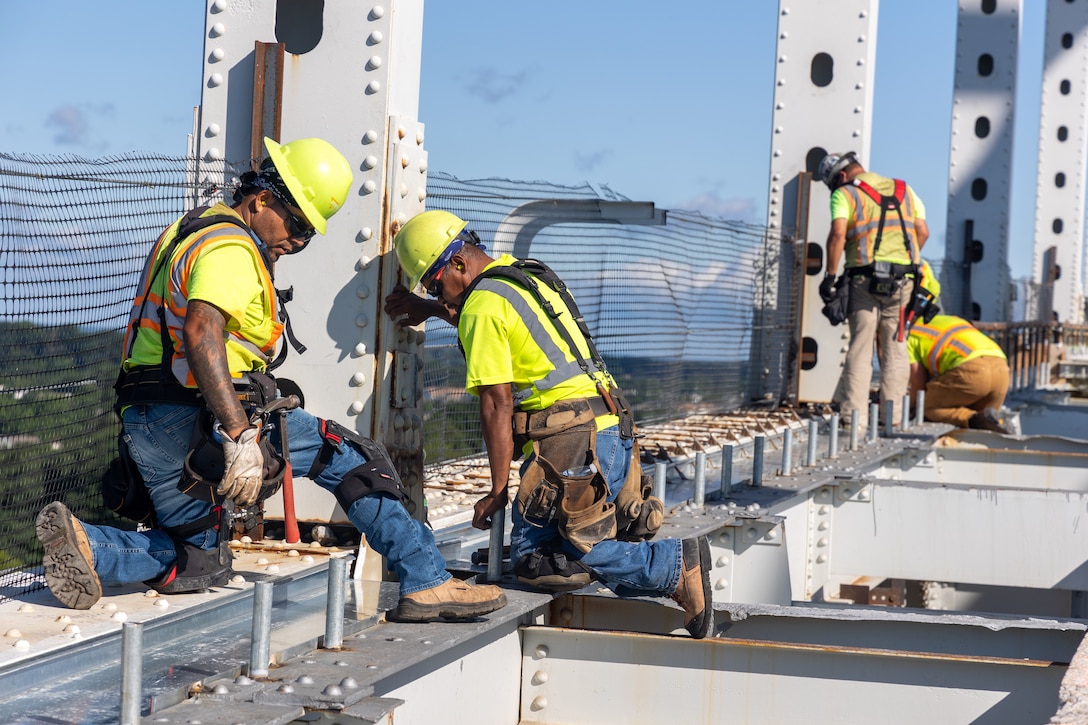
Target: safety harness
{"x": 156, "y": 383}
{"x": 562, "y": 482}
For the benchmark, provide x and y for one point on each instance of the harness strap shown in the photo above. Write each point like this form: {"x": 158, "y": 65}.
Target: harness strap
{"x": 888, "y": 203}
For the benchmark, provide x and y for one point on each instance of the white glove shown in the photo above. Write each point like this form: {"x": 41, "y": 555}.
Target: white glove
{"x": 244, "y": 469}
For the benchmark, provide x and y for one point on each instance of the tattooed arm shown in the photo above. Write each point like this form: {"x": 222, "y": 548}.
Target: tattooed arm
{"x": 206, "y": 353}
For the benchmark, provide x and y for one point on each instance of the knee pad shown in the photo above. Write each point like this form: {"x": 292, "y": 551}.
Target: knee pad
{"x": 195, "y": 569}
{"x": 375, "y": 476}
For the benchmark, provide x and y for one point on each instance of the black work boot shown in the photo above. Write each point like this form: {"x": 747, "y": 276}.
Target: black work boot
{"x": 452, "y": 599}
{"x": 552, "y": 572}
{"x": 693, "y": 593}
{"x": 68, "y": 561}
{"x": 987, "y": 419}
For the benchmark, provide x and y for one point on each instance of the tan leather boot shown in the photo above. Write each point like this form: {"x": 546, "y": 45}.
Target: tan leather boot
{"x": 693, "y": 593}
{"x": 68, "y": 561}
{"x": 452, "y": 599}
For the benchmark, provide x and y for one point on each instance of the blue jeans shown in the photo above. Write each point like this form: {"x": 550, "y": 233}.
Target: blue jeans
{"x": 158, "y": 439}
{"x": 631, "y": 569}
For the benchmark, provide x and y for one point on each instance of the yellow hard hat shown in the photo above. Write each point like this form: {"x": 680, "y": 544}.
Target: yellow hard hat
{"x": 317, "y": 175}
{"x": 929, "y": 281}
{"x": 422, "y": 240}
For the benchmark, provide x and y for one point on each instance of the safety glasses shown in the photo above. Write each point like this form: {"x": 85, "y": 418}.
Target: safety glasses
{"x": 296, "y": 227}
{"x": 434, "y": 289}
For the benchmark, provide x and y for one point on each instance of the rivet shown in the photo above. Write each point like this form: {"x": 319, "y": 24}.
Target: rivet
{"x": 422, "y": 195}
{"x": 404, "y": 161}
{"x": 539, "y": 703}
{"x": 358, "y": 378}
{"x": 419, "y": 138}
{"x": 216, "y": 79}
{"x": 374, "y": 62}
{"x": 821, "y": 559}
{"x": 720, "y": 584}
{"x": 369, "y": 186}
{"x": 218, "y": 29}
{"x": 725, "y": 537}
{"x": 362, "y": 320}
{"x": 377, "y": 12}
{"x": 305, "y": 680}
{"x": 403, "y": 190}
{"x": 364, "y": 262}
{"x": 772, "y": 534}
{"x": 213, "y": 129}
{"x": 362, "y": 291}
{"x": 373, "y": 87}
{"x": 356, "y": 407}
{"x": 863, "y": 496}
{"x": 398, "y": 422}
{"x": 370, "y": 136}
{"x": 333, "y": 690}
{"x": 370, "y": 162}
{"x": 540, "y": 677}
{"x": 286, "y": 689}
{"x": 218, "y": 54}
{"x": 722, "y": 561}
{"x": 349, "y": 682}
{"x": 751, "y": 534}
{"x": 375, "y": 37}
{"x": 822, "y": 526}
{"x": 566, "y": 615}
{"x": 822, "y": 542}
{"x": 541, "y": 651}
{"x": 360, "y": 349}
{"x": 366, "y": 233}
{"x": 219, "y": 6}
{"x": 221, "y": 689}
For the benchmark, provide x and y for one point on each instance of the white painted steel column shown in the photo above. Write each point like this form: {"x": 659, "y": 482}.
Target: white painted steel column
{"x": 823, "y": 102}
{"x": 350, "y": 75}
{"x": 975, "y": 277}
{"x": 1063, "y": 138}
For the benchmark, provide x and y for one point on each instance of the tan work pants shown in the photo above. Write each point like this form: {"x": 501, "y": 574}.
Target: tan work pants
{"x": 874, "y": 318}
{"x": 955, "y": 395}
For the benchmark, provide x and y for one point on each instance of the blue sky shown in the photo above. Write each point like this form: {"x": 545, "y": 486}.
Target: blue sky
{"x": 669, "y": 103}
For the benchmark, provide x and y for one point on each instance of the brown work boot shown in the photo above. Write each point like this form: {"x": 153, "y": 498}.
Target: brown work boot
{"x": 452, "y": 599}
{"x": 693, "y": 593}
{"x": 68, "y": 562}
{"x": 988, "y": 419}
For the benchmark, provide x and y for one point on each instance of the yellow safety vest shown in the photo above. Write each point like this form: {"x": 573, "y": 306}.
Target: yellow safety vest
{"x": 946, "y": 342}
{"x": 248, "y": 349}
{"x": 863, "y": 223}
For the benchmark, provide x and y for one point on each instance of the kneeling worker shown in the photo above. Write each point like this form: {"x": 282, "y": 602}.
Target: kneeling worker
{"x": 965, "y": 374}
{"x": 582, "y": 509}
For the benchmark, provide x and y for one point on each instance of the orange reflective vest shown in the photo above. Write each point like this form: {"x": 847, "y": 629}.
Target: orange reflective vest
{"x": 946, "y": 342}
{"x": 247, "y": 349}
{"x": 865, "y": 222}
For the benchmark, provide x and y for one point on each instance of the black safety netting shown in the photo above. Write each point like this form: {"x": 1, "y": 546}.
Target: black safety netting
{"x": 692, "y": 314}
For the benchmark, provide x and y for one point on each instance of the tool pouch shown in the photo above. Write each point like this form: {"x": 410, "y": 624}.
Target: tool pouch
{"x": 586, "y": 517}
{"x": 882, "y": 281}
{"x": 639, "y": 514}
{"x": 123, "y": 489}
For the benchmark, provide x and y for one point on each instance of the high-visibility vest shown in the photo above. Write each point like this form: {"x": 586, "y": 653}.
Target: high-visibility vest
{"x": 248, "y": 349}
{"x": 946, "y": 342}
{"x": 864, "y": 222}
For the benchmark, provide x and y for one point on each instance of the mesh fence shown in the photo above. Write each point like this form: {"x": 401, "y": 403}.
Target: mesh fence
{"x": 692, "y": 315}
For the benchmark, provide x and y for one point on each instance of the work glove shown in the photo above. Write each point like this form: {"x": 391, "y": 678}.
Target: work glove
{"x": 243, "y": 471}
{"x": 827, "y": 288}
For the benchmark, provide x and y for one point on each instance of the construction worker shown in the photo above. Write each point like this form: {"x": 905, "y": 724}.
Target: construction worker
{"x": 200, "y": 339}
{"x": 581, "y": 509}
{"x": 965, "y": 374}
{"x": 880, "y": 225}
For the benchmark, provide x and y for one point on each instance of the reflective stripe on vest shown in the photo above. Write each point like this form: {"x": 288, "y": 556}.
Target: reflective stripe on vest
{"x": 862, "y": 229}
{"x": 180, "y": 266}
{"x": 942, "y": 340}
{"x": 538, "y": 329}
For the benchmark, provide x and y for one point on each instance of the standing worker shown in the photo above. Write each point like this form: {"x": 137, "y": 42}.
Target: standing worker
{"x": 582, "y": 509}
{"x": 880, "y": 224}
{"x": 965, "y": 374}
{"x": 199, "y": 343}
